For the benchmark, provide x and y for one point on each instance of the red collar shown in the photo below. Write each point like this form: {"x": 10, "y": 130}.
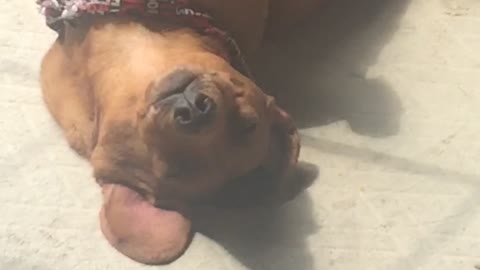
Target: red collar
{"x": 59, "y": 12}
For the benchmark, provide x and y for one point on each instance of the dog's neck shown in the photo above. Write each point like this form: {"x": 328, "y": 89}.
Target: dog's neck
{"x": 100, "y": 30}
{"x": 104, "y": 43}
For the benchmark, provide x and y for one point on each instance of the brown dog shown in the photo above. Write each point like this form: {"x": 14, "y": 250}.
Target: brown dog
{"x": 164, "y": 118}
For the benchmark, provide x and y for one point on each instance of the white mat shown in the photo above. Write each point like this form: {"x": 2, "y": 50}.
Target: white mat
{"x": 402, "y": 202}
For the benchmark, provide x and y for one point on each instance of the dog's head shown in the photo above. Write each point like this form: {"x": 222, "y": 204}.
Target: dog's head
{"x": 176, "y": 122}
{"x": 208, "y": 125}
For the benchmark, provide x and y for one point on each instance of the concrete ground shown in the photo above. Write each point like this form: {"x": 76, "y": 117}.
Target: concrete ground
{"x": 387, "y": 95}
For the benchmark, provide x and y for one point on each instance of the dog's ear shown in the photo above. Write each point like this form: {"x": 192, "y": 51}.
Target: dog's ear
{"x": 132, "y": 223}
{"x": 129, "y": 219}
{"x": 141, "y": 231}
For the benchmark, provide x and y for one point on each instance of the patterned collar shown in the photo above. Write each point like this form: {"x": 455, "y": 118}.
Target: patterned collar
{"x": 59, "y": 12}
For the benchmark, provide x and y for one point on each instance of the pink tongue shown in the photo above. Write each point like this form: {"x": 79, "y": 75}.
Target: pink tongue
{"x": 140, "y": 231}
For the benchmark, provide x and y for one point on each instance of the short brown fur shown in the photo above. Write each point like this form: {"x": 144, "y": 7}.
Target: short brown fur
{"x": 100, "y": 78}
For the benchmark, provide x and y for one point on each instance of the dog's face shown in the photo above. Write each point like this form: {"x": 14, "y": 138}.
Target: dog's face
{"x": 185, "y": 123}
{"x": 174, "y": 124}
{"x": 205, "y": 127}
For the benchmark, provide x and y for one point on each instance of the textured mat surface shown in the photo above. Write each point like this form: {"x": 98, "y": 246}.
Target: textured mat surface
{"x": 387, "y": 96}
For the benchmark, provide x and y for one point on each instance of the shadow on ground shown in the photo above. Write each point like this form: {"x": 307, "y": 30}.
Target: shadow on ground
{"x": 319, "y": 74}
{"x": 265, "y": 238}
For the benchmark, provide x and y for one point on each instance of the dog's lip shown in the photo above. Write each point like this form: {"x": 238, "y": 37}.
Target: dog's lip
{"x": 172, "y": 86}
{"x": 175, "y": 91}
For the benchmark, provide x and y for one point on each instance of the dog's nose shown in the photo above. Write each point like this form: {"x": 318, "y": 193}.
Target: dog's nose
{"x": 193, "y": 109}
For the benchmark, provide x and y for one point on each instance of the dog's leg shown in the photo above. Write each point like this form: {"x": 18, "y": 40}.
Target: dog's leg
{"x": 286, "y": 13}
{"x": 68, "y": 99}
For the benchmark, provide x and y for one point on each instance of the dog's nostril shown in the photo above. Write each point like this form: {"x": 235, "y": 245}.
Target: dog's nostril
{"x": 203, "y": 103}
{"x": 183, "y": 115}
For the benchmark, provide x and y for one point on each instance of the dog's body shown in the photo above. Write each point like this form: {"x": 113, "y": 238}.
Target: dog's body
{"x": 102, "y": 81}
